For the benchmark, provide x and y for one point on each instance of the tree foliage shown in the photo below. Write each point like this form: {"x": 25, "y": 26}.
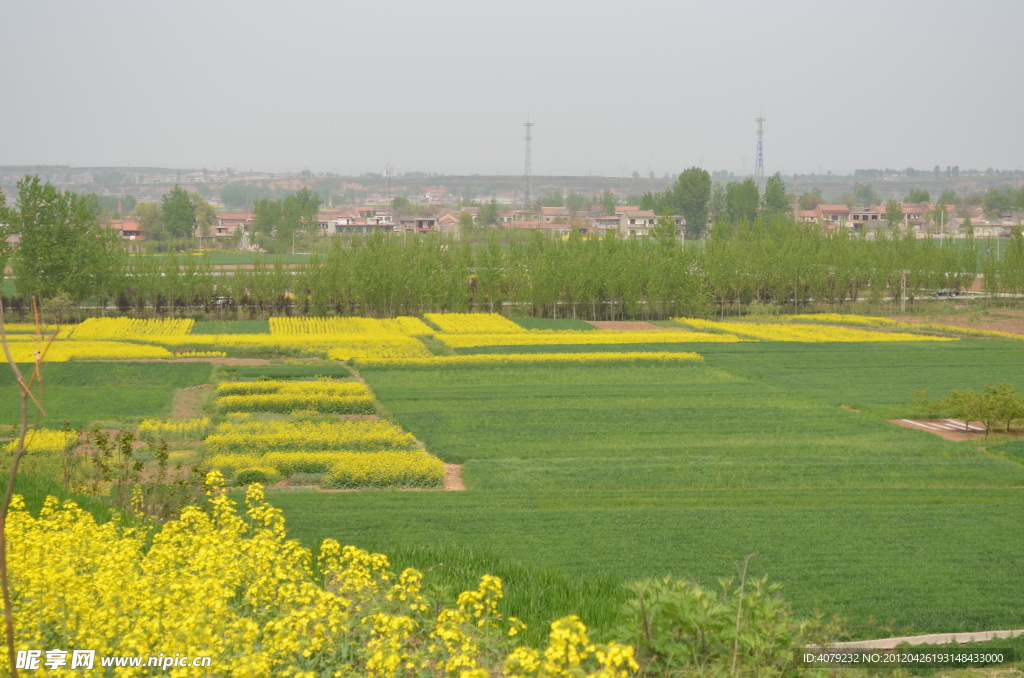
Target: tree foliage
{"x": 63, "y": 247}
{"x": 775, "y": 200}
{"x": 179, "y": 215}
{"x": 689, "y": 197}
{"x": 742, "y": 198}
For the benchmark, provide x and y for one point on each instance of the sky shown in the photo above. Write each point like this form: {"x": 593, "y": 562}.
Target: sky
{"x": 445, "y": 85}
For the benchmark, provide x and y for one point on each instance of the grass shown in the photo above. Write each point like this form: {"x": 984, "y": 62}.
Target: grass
{"x": 554, "y": 324}
{"x": 634, "y": 471}
{"x": 80, "y": 393}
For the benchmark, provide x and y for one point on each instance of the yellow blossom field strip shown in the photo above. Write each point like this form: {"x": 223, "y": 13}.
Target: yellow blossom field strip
{"x": 45, "y": 441}
{"x": 474, "y": 323}
{"x": 184, "y": 428}
{"x": 869, "y": 321}
{"x": 64, "y": 350}
{"x": 298, "y": 402}
{"x": 385, "y": 469}
{"x": 532, "y": 359}
{"x": 403, "y": 325}
{"x": 805, "y": 333}
{"x": 319, "y": 387}
{"x": 583, "y": 338}
{"x": 131, "y": 328}
{"x": 253, "y": 435}
{"x": 349, "y": 345}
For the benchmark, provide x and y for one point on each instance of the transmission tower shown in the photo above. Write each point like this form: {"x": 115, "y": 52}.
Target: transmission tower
{"x": 389, "y": 171}
{"x": 528, "y": 176}
{"x": 759, "y": 163}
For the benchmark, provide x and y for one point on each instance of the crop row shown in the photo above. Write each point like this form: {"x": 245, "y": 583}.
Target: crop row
{"x": 24, "y": 351}
{"x": 171, "y": 428}
{"x": 870, "y": 321}
{"x": 474, "y": 323}
{"x": 132, "y": 328}
{"x": 804, "y": 333}
{"x": 285, "y": 403}
{"x": 532, "y": 359}
{"x": 404, "y": 325}
{"x": 45, "y": 441}
{"x": 317, "y": 387}
{"x": 582, "y": 338}
{"x": 241, "y": 434}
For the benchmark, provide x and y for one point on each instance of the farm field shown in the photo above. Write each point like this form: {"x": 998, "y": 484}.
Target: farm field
{"x": 704, "y": 447}
{"x": 632, "y": 471}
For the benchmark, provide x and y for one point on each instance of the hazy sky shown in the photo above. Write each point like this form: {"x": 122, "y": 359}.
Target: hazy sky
{"x": 445, "y": 85}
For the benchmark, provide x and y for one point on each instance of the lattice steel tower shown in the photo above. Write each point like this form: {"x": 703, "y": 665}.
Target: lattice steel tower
{"x": 528, "y": 175}
{"x": 759, "y": 163}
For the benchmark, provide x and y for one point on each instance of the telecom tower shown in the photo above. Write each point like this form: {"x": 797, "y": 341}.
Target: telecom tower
{"x": 528, "y": 177}
{"x": 759, "y": 163}
{"x": 389, "y": 171}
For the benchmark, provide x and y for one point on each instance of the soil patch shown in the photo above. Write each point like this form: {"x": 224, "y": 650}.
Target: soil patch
{"x": 188, "y": 402}
{"x": 630, "y": 326}
{"x": 1001, "y": 321}
{"x": 949, "y": 429}
{"x": 453, "y": 478}
{"x": 219, "y": 361}
{"x": 358, "y": 417}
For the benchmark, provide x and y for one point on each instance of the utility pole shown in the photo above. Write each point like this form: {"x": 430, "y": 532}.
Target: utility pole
{"x": 759, "y": 163}
{"x": 528, "y": 175}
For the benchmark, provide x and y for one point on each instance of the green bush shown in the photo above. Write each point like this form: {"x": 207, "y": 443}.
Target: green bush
{"x": 263, "y": 475}
{"x": 680, "y": 628}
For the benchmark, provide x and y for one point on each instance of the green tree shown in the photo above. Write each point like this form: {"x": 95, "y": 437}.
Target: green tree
{"x": 775, "y": 200}
{"x": 608, "y": 202}
{"x": 5, "y": 231}
{"x": 997, "y": 201}
{"x": 893, "y": 215}
{"x": 689, "y": 197}
{"x": 151, "y": 221}
{"x": 488, "y": 215}
{"x": 811, "y": 199}
{"x": 63, "y": 247}
{"x": 206, "y": 216}
{"x": 742, "y": 198}
{"x": 179, "y": 215}
{"x": 664, "y": 231}
{"x": 865, "y": 194}
{"x": 917, "y": 195}
{"x": 465, "y": 221}
{"x": 577, "y": 202}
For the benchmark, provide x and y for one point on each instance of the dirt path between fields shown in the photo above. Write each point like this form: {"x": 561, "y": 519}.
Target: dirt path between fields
{"x": 188, "y": 402}
{"x": 931, "y": 639}
{"x": 1000, "y": 320}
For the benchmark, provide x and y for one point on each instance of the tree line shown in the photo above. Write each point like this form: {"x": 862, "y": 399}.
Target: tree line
{"x": 770, "y": 260}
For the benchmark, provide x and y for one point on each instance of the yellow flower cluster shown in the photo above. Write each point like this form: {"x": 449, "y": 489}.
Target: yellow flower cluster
{"x": 583, "y": 338}
{"x": 174, "y": 428}
{"x": 284, "y": 463}
{"x": 318, "y": 387}
{"x": 887, "y": 322}
{"x": 383, "y": 348}
{"x": 44, "y": 441}
{"x": 28, "y": 328}
{"x": 64, "y": 350}
{"x": 474, "y": 323}
{"x": 247, "y": 436}
{"x": 532, "y": 359}
{"x": 234, "y": 588}
{"x": 385, "y": 469}
{"x": 570, "y": 652}
{"x": 132, "y": 328}
{"x": 289, "y": 402}
{"x": 200, "y": 354}
{"x": 405, "y": 325}
{"x": 804, "y": 333}
{"x": 352, "y": 345}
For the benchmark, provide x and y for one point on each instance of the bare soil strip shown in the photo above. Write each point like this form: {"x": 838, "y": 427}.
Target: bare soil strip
{"x": 188, "y": 402}
{"x": 949, "y": 429}
{"x": 930, "y": 639}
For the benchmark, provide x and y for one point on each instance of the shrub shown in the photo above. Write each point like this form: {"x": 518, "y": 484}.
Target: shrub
{"x": 264, "y": 475}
